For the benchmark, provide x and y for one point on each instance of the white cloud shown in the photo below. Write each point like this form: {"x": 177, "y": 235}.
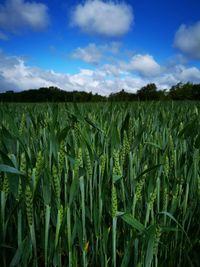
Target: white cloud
{"x": 187, "y": 39}
{"x": 173, "y": 75}
{"x": 187, "y": 74}
{"x": 93, "y": 53}
{"x": 166, "y": 80}
{"x": 104, "y": 18}
{"x": 114, "y": 47}
{"x": 143, "y": 64}
{"x": 19, "y": 14}
{"x": 111, "y": 70}
{"x": 20, "y": 77}
{"x": 15, "y": 74}
{"x": 89, "y": 54}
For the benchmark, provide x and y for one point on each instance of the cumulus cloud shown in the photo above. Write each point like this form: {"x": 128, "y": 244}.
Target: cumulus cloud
{"x": 89, "y": 54}
{"x": 173, "y": 75}
{"x": 93, "y": 53}
{"x": 187, "y": 74}
{"x": 187, "y": 39}
{"x": 111, "y": 70}
{"x": 143, "y": 64}
{"x": 166, "y": 80}
{"x": 110, "y": 19}
{"x": 15, "y": 74}
{"x": 114, "y": 47}
{"x": 19, "y": 14}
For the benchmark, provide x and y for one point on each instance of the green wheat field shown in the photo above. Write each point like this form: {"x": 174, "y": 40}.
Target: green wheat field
{"x": 100, "y": 184}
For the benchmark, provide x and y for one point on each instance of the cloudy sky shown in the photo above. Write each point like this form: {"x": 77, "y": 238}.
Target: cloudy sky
{"x": 99, "y": 46}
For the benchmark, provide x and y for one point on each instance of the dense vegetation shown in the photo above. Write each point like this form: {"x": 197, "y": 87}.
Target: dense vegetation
{"x": 100, "y": 184}
{"x": 180, "y": 91}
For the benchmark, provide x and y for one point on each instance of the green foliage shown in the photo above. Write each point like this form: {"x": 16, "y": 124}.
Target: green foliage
{"x": 99, "y": 185}
{"x": 180, "y": 91}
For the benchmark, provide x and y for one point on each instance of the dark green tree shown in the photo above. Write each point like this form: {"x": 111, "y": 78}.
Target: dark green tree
{"x": 181, "y": 91}
{"x": 148, "y": 92}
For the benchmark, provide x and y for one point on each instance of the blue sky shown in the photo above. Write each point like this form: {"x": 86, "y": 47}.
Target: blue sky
{"x": 99, "y": 46}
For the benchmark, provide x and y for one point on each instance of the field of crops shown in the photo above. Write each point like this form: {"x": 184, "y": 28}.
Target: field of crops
{"x": 100, "y": 185}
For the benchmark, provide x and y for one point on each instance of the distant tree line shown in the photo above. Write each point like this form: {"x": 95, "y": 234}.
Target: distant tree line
{"x": 180, "y": 91}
